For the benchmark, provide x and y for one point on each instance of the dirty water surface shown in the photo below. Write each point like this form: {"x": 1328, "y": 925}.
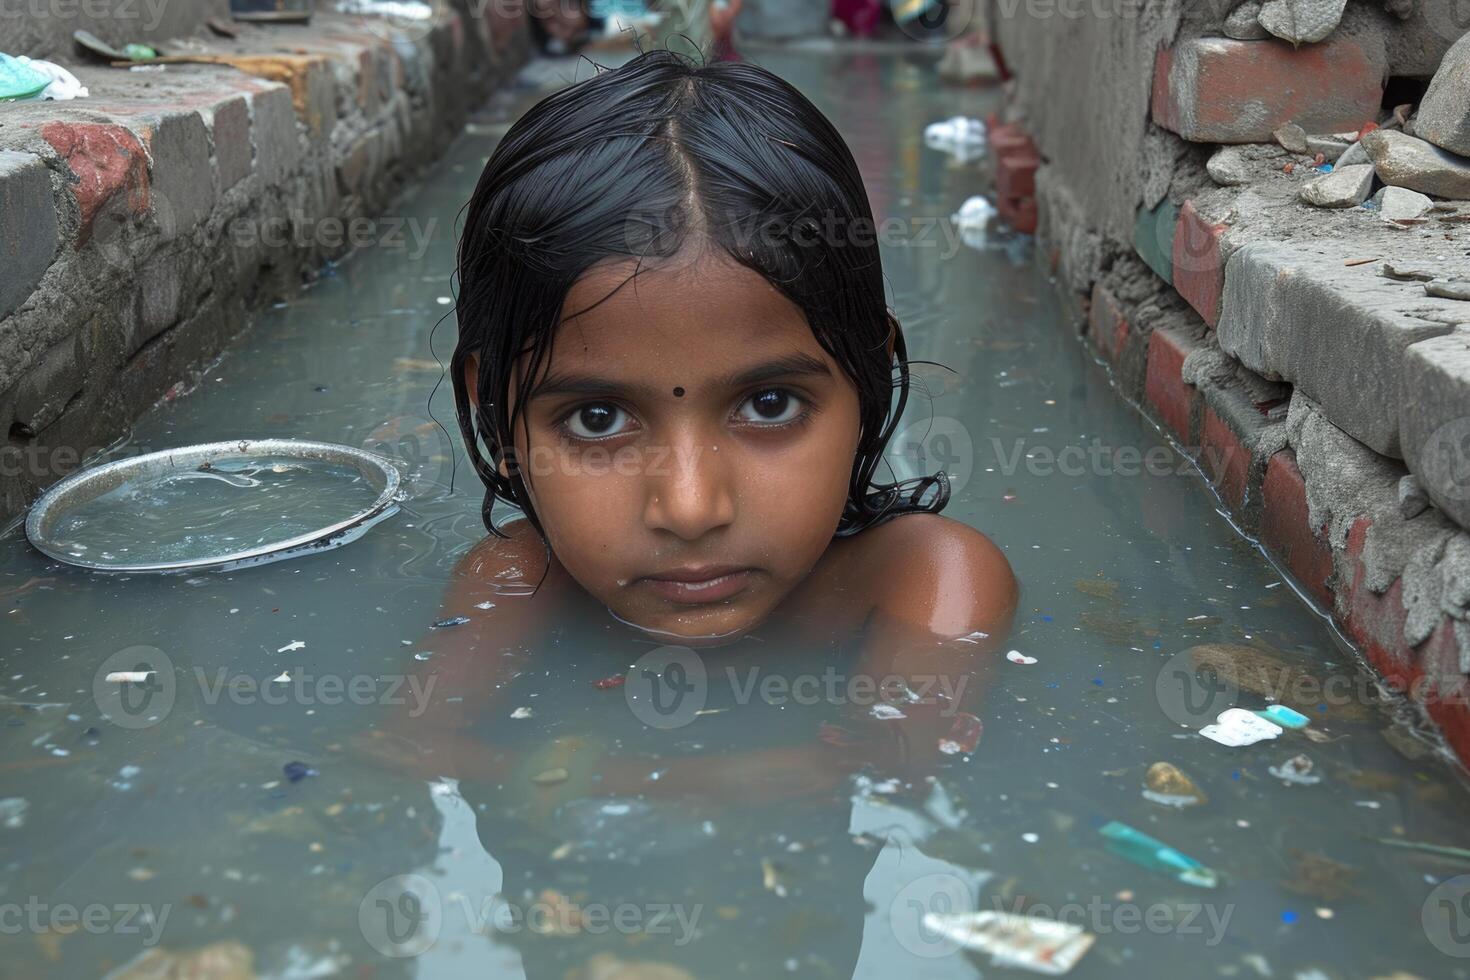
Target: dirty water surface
{"x": 218, "y": 816}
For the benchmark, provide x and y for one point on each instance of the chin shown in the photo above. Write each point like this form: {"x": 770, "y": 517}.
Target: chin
{"x": 696, "y": 627}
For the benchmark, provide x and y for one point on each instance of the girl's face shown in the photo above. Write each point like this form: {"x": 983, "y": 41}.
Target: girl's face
{"x": 690, "y": 445}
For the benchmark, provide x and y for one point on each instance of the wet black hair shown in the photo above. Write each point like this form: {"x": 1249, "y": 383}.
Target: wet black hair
{"x": 633, "y": 163}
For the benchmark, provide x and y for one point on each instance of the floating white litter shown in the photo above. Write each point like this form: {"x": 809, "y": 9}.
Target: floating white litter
{"x": 1237, "y": 727}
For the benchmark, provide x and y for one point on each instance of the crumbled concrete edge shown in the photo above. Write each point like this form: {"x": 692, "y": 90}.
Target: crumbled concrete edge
{"x": 1325, "y": 504}
{"x": 155, "y": 216}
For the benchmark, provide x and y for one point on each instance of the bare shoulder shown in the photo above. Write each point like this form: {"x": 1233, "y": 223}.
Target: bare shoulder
{"x": 497, "y": 565}
{"x": 940, "y": 573}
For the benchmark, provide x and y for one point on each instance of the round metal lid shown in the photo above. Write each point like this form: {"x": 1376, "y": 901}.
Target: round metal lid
{"x": 220, "y": 460}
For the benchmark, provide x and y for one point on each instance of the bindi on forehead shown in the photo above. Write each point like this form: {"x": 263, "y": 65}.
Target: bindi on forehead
{"x": 678, "y": 392}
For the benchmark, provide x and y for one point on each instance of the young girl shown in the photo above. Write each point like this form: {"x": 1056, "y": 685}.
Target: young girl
{"x": 676, "y": 361}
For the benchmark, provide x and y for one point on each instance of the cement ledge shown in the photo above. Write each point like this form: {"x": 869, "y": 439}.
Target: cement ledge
{"x": 126, "y": 270}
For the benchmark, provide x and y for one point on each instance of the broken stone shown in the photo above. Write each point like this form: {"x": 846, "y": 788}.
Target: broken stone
{"x": 1301, "y": 21}
{"x": 1292, "y": 137}
{"x": 1242, "y": 25}
{"x": 1444, "y": 113}
{"x": 1407, "y": 161}
{"x": 1449, "y": 288}
{"x": 1413, "y": 501}
{"x": 1330, "y": 147}
{"x": 1406, "y": 273}
{"x": 1401, "y": 204}
{"x": 1344, "y": 187}
{"x": 1229, "y": 167}
{"x": 1353, "y": 155}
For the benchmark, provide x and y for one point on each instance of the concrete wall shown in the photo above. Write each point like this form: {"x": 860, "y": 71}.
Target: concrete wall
{"x": 136, "y": 224}
{"x": 44, "y": 29}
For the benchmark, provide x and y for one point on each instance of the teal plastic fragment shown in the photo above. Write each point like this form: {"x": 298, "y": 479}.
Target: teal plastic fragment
{"x": 1146, "y": 852}
{"x": 1285, "y": 717}
{"x": 19, "y": 81}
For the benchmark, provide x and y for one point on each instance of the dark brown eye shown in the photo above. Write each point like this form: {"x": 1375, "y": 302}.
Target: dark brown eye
{"x": 772, "y": 406}
{"x": 595, "y": 420}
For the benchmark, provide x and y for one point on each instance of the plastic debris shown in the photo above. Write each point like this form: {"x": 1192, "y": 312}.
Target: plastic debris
{"x": 1168, "y": 786}
{"x": 129, "y": 676}
{"x": 975, "y": 213}
{"x": 963, "y": 735}
{"x": 1026, "y": 942}
{"x": 1237, "y": 727}
{"x": 284, "y": 677}
{"x": 1280, "y": 714}
{"x": 60, "y": 84}
{"x": 551, "y": 777}
{"x": 771, "y": 878}
{"x": 608, "y": 683}
{"x": 1017, "y": 657}
{"x": 18, "y": 80}
{"x": 521, "y": 712}
{"x": 886, "y": 712}
{"x": 960, "y": 137}
{"x": 291, "y": 647}
{"x": 394, "y": 9}
{"x": 1297, "y": 770}
{"x": 13, "y": 812}
{"x": 447, "y": 623}
{"x": 1146, "y": 852}
{"x": 1413, "y": 845}
{"x": 297, "y": 771}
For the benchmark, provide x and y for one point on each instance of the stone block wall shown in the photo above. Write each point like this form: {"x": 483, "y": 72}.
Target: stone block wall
{"x": 1323, "y": 390}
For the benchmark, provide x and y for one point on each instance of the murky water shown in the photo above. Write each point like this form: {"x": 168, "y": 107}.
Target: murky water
{"x": 220, "y": 800}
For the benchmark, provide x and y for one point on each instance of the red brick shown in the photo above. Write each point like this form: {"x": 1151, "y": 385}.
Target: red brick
{"x": 1015, "y": 173}
{"x": 1219, "y": 90}
{"x": 106, "y": 159}
{"x": 1019, "y": 213}
{"x": 1199, "y": 270}
{"x": 1165, "y": 388}
{"x": 1376, "y": 622}
{"x": 1224, "y": 459}
{"x": 1445, "y": 692}
{"x": 1287, "y": 531}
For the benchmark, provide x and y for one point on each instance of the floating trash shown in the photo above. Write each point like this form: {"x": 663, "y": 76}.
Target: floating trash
{"x": 1168, "y": 786}
{"x": 961, "y": 137}
{"x": 963, "y": 735}
{"x": 608, "y": 683}
{"x": 452, "y": 621}
{"x": 1286, "y": 717}
{"x": 521, "y": 713}
{"x": 1017, "y": 657}
{"x": 1147, "y": 852}
{"x": 297, "y": 771}
{"x": 219, "y": 504}
{"x": 1237, "y": 727}
{"x": 1297, "y": 769}
{"x": 1027, "y": 942}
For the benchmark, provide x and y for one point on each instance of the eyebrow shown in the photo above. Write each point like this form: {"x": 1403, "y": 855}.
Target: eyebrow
{"x": 789, "y": 366}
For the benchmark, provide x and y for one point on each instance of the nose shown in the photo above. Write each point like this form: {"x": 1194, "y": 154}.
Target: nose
{"x": 690, "y": 491}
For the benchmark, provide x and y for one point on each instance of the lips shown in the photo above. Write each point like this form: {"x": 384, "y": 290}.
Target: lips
{"x": 697, "y": 584}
